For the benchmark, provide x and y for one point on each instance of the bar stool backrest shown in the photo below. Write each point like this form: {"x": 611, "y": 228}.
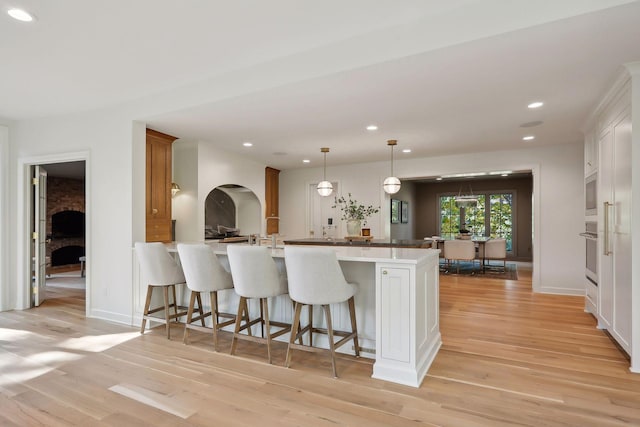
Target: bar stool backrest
{"x": 202, "y": 269}
{"x": 157, "y": 266}
{"x": 255, "y": 274}
{"x": 315, "y": 276}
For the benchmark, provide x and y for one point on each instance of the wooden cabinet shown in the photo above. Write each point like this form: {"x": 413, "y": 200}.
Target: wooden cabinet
{"x": 158, "y": 186}
{"x": 271, "y": 193}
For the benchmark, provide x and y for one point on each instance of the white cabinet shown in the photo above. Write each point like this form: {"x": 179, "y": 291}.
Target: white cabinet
{"x": 614, "y": 218}
{"x": 590, "y": 154}
{"x": 407, "y": 322}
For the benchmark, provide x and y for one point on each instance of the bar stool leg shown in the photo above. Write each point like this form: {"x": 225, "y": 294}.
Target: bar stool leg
{"x": 354, "y": 326}
{"x": 145, "y": 312}
{"x": 185, "y": 337}
{"x": 310, "y": 325}
{"x": 214, "y": 318}
{"x": 295, "y": 326}
{"x": 262, "y": 320}
{"x": 264, "y": 303}
{"x": 175, "y": 302}
{"x": 246, "y": 317}
{"x": 327, "y": 314}
{"x": 200, "y": 310}
{"x": 165, "y": 292}
{"x": 242, "y": 305}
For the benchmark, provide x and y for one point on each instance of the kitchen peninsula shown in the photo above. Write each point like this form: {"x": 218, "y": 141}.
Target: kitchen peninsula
{"x": 379, "y": 243}
{"x": 397, "y": 306}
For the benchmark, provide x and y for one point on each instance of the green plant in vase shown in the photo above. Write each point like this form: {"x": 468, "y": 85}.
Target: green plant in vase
{"x": 354, "y": 213}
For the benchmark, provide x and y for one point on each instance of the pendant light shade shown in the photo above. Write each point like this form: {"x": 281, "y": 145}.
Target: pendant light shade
{"x": 324, "y": 187}
{"x": 391, "y": 184}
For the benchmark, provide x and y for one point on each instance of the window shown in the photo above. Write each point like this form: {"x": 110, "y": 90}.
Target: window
{"x": 492, "y": 216}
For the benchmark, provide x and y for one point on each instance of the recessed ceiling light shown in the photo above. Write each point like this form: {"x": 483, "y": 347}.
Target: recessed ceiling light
{"x": 20, "y": 15}
{"x": 247, "y": 144}
{"x": 536, "y": 104}
{"x": 306, "y": 161}
{"x": 505, "y": 174}
{"x": 372, "y": 127}
{"x": 406, "y": 150}
{"x": 528, "y": 138}
{"x": 439, "y": 179}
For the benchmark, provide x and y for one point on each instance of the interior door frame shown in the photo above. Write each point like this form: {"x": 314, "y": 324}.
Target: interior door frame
{"x": 39, "y": 177}
{"x": 24, "y": 205}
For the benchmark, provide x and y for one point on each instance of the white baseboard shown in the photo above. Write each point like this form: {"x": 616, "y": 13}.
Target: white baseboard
{"x": 111, "y": 317}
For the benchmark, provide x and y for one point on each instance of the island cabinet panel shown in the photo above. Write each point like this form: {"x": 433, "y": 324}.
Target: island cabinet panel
{"x": 158, "y": 186}
{"x": 395, "y": 313}
{"x": 272, "y": 200}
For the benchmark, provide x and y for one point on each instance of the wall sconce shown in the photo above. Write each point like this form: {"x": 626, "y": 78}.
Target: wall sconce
{"x": 324, "y": 187}
{"x": 391, "y": 184}
{"x": 175, "y": 188}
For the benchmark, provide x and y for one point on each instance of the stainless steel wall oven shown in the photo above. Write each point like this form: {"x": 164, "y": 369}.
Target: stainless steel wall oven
{"x": 591, "y": 254}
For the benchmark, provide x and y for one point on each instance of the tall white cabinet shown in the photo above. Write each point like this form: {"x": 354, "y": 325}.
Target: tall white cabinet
{"x": 610, "y": 133}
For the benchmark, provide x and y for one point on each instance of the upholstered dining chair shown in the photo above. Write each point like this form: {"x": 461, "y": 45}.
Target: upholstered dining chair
{"x": 494, "y": 249}
{"x": 316, "y": 278}
{"x": 204, "y": 274}
{"x": 459, "y": 250}
{"x": 159, "y": 270}
{"x": 255, "y": 275}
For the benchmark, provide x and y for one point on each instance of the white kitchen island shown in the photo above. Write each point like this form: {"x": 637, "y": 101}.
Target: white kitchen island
{"x": 397, "y": 307}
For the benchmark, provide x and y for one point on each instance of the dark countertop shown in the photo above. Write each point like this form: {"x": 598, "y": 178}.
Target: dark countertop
{"x": 379, "y": 243}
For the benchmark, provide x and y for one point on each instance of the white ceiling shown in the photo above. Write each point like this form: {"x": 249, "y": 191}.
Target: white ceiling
{"x": 292, "y": 76}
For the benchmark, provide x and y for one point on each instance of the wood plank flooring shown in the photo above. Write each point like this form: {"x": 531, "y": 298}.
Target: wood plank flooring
{"x": 509, "y": 357}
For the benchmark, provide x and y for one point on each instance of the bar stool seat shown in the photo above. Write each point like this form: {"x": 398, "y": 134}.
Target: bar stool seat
{"x": 159, "y": 270}
{"x": 316, "y": 278}
{"x": 255, "y": 275}
{"x": 204, "y": 274}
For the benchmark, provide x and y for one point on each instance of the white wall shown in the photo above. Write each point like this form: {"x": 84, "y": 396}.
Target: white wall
{"x": 107, "y": 138}
{"x": 214, "y": 167}
{"x": 184, "y": 207}
{"x": 4, "y": 218}
{"x": 558, "y": 201}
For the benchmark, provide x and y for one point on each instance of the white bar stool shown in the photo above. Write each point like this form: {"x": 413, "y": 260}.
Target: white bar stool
{"x": 255, "y": 275}
{"x": 316, "y": 278}
{"x": 160, "y": 271}
{"x": 204, "y": 274}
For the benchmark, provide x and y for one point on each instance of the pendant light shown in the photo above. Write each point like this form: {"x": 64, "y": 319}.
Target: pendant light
{"x": 391, "y": 184}
{"x": 324, "y": 187}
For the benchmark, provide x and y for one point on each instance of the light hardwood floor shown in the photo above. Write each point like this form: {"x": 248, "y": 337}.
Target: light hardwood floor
{"x": 509, "y": 357}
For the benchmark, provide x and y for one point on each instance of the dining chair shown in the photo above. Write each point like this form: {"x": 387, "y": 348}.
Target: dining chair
{"x": 459, "y": 250}
{"x": 494, "y": 249}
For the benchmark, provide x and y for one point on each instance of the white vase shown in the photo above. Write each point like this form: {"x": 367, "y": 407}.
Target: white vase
{"x": 353, "y": 227}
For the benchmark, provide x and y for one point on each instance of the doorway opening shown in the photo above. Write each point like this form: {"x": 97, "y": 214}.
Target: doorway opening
{"x": 58, "y": 231}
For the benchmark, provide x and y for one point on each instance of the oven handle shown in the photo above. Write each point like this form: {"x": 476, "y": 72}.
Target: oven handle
{"x": 589, "y": 236}
{"x": 606, "y": 250}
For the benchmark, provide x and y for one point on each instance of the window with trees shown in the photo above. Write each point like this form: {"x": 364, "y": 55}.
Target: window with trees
{"x": 492, "y": 217}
